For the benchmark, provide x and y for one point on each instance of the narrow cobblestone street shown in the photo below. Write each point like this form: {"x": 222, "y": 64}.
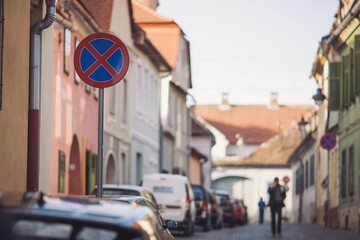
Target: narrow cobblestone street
{"x": 262, "y": 232}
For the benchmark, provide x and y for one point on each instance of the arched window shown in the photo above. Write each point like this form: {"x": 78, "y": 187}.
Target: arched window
{"x": 110, "y": 171}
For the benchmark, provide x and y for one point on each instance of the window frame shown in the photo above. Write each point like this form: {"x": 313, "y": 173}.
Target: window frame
{"x": 351, "y": 172}
{"x": 124, "y": 101}
{"x": 61, "y": 171}
{"x": 67, "y": 57}
{"x": 312, "y": 170}
{"x": 112, "y": 100}
{"x": 77, "y": 78}
{"x": 343, "y": 174}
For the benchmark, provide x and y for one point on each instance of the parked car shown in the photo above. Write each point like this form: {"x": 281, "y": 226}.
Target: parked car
{"x": 174, "y": 193}
{"x": 227, "y": 206}
{"x": 203, "y": 207}
{"x": 40, "y": 216}
{"x": 216, "y": 210}
{"x": 240, "y": 211}
{"x": 161, "y": 226}
{"x": 131, "y": 190}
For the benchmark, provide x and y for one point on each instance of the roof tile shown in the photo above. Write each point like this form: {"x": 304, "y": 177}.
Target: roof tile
{"x": 100, "y": 10}
{"x": 254, "y": 124}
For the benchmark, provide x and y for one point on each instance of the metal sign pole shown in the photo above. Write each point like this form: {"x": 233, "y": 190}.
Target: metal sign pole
{"x": 100, "y": 143}
{"x": 328, "y": 191}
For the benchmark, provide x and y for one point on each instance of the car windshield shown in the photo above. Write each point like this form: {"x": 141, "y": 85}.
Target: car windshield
{"x": 223, "y": 197}
{"x": 211, "y": 198}
{"x": 198, "y": 193}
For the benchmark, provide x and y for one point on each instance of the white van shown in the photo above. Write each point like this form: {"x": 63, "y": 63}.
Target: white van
{"x": 175, "y": 197}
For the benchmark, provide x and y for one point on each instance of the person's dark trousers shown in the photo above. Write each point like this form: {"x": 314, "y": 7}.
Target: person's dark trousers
{"x": 261, "y": 220}
{"x": 276, "y": 210}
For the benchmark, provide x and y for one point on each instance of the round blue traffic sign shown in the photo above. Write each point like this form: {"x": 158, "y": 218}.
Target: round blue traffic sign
{"x": 101, "y": 60}
{"x": 328, "y": 141}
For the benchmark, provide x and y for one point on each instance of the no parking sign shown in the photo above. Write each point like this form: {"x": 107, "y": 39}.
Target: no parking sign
{"x": 328, "y": 141}
{"x": 101, "y": 60}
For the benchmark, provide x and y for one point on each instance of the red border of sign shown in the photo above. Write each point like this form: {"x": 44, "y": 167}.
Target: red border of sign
{"x": 332, "y": 136}
{"x": 286, "y": 179}
{"x": 116, "y": 78}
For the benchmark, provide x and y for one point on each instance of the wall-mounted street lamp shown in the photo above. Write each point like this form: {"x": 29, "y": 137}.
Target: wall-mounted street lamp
{"x": 302, "y": 125}
{"x": 319, "y": 97}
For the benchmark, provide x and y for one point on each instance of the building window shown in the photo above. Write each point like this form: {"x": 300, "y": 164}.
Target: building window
{"x": 112, "y": 100}
{"x": 124, "y": 101}
{"x": 312, "y": 170}
{"x": 139, "y": 166}
{"x": 67, "y": 50}
{"x": 76, "y": 78}
{"x": 307, "y": 174}
{"x": 299, "y": 184}
{"x": 171, "y": 110}
{"x": 351, "y": 171}
{"x": 176, "y": 118}
{"x": 184, "y": 119}
{"x": 91, "y": 171}
{"x": 87, "y": 88}
{"x": 96, "y": 93}
{"x": 348, "y": 82}
{"x": 343, "y": 174}
{"x": 123, "y": 168}
{"x": 61, "y": 172}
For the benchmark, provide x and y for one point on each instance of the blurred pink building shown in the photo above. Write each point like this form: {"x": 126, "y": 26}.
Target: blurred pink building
{"x": 75, "y": 113}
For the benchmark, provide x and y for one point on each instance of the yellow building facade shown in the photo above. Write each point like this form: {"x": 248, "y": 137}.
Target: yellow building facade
{"x": 15, "y": 95}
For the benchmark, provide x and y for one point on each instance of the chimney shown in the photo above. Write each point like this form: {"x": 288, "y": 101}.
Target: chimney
{"x": 225, "y": 102}
{"x": 274, "y": 101}
{"x": 153, "y": 4}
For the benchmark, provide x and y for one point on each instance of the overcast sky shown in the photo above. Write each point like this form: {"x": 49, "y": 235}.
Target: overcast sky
{"x": 250, "y": 48}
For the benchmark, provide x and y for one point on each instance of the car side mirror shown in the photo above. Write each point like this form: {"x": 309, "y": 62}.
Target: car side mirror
{"x": 171, "y": 224}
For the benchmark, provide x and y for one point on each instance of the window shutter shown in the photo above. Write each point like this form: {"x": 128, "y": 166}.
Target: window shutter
{"x": 334, "y": 85}
{"x": 345, "y": 82}
{"x": 342, "y": 82}
{"x": 357, "y": 64}
{"x": 351, "y": 77}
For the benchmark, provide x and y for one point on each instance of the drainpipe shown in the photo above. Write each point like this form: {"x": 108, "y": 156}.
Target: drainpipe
{"x": 34, "y": 95}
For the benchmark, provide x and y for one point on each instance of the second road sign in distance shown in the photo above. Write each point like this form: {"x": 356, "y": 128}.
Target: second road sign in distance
{"x": 101, "y": 60}
{"x": 286, "y": 179}
{"x": 328, "y": 141}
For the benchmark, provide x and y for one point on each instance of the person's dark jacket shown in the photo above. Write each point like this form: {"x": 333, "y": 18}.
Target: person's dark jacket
{"x": 277, "y": 196}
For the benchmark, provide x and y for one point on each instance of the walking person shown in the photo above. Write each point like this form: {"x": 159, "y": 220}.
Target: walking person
{"x": 276, "y": 203}
{"x": 262, "y": 207}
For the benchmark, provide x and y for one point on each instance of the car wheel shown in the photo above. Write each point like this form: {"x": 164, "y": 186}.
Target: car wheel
{"x": 189, "y": 230}
{"x": 192, "y": 228}
{"x": 233, "y": 222}
{"x": 220, "y": 225}
{"x": 206, "y": 226}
